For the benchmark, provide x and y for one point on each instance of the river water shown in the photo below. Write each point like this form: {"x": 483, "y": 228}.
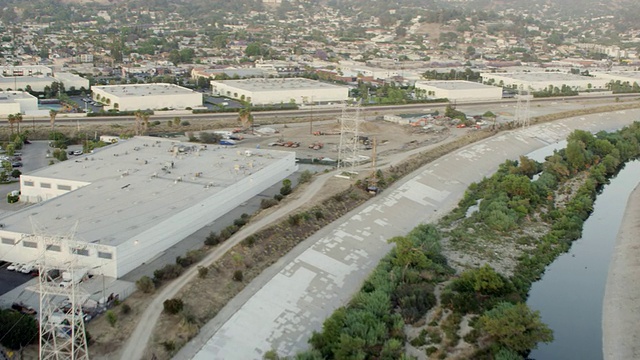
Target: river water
{"x": 569, "y": 296}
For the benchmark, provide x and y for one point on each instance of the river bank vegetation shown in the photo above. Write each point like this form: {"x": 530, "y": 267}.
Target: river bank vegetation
{"x": 457, "y": 289}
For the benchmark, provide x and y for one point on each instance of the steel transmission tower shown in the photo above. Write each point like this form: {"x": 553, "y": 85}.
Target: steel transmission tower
{"x": 522, "y": 108}
{"x": 62, "y": 330}
{"x": 349, "y": 138}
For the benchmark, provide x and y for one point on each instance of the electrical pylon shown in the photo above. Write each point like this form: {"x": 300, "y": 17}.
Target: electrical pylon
{"x": 349, "y": 137}
{"x": 522, "y": 108}
{"x": 62, "y": 330}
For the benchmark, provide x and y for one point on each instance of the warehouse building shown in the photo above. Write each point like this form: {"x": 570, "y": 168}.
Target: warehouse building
{"x": 538, "y": 81}
{"x": 17, "y": 102}
{"x": 39, "y": 82}
{"x": 134, "y": 199}
{"x": 459, "y": 90}
{"x": 280, "y": 90}
{"x": 146, "y": 97}
{"x": 72, "y": 81}
{"x": 623, "y": 76}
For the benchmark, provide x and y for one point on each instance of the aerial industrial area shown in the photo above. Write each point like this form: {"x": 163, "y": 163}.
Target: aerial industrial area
{"x": 280, "y": 179}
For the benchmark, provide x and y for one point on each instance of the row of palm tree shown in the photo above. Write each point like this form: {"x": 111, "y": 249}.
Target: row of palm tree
{"x": 14, "y": 119}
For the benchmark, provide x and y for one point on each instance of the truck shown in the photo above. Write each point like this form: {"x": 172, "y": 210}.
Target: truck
{"x": 69, "y": 278}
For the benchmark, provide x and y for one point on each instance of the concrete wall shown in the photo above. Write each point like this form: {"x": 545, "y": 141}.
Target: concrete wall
{"x": 9, "y": 108}
{"x": 24, "y": 248}
{"x": 34, "y": 189}
{"x": 167, "y": 233}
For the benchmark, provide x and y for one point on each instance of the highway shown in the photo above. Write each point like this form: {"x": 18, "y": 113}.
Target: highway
{"x": 316, "y": 111}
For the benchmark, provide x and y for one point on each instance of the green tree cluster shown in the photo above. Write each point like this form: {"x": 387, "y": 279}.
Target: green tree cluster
{"x": 371, "y": 326}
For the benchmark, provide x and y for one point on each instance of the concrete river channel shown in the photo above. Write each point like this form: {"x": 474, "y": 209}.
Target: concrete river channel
{"x": 570, "y": 294}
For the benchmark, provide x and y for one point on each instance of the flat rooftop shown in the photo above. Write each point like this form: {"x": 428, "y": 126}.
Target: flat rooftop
{"x": 135, "y": 184}
{"x": 144, "y": 89}
{"x": 457, "y": 85}
{"x": 540, "y": 76}
{"x": 278, "y": 84}
{"x": 631, "y": 75}
{"x": 11, "y": 96}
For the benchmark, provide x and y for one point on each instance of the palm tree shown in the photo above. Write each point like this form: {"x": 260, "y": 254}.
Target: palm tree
{"x": 245, "y": 117}
{"x": 52, "y": 118}
{"x": 145, "y": 122}
{"x": 18, "y": 119}
{"x": 138, "y": 114}
{"x": 11, "y": 118}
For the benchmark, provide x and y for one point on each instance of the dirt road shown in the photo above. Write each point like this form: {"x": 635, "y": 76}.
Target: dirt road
{"x": 136, "y": 345}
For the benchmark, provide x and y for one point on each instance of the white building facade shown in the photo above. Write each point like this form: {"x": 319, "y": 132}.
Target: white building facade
{"x": 146, "y": 96}
{"x": 280, "y": 90}
{"x": 17, "y": 102}
{"x": 133, "y": 200}
{"x": 459, "y": 90}
{"x": 539, "y": 81}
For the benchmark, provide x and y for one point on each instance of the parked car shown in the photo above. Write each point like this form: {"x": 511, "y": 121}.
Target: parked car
{"x": 24, "y": 309}
{"x": 16, "y": 164}
{"x": 28, "y": 268}
{"x": 77, "y": 152}
{"x": 14, "y": 267}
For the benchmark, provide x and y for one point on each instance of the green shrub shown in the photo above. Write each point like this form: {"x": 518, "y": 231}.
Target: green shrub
{"x": 267, "y": 203}
{"x": 249, "y": 241}
{"x": 146, "y": 285}
{"x": 305, "y": 176}
{"x": 169, "y": 346}
{"x": 173, "y": 306}
{"x": 278, "y": 197}
{"x": 126, "y": 309}
{"x": 112, "y": 318}
{"x": 240, "y": 222}
{"x": 212, "y": 239}
{"x": 203, "y": 271}
{"x": 238, "y": 275}
{"x": 168, "y": 272}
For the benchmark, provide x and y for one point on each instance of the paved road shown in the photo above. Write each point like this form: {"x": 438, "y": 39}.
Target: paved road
{"x": 281, "y": 309}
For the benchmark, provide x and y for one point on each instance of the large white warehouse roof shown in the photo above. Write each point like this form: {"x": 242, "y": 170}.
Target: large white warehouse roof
{"x": 131, "y": 90}
{"x": 257, "y": 85}
{"x": 138, "y": 197}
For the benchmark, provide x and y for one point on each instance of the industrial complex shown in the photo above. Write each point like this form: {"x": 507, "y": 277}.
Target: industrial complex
{"x": 459, "y": 90}
{"x": 133, "y": 200}
{"x": 538, "y": 81}
{"x": 146, "y": 96}
{"x": 281, "y": 90}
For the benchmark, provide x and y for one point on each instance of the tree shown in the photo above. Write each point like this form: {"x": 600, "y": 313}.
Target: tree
{"x": 112, "y": 318}
{"x": 11, "y": 118}
{"x": 52, "y": 119}
{"x": 407, "y": 254}
{"x": 253, "y": 49}
{"x": 245, "y": 117}
{"x": 286, "y": 187}
{"x": 173, "y": 306}
{"x": 515, "y": 326}
{"x": 146, "y": 285}
{"x": 18, "y": 330}
{"x": 18, "y": 120}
